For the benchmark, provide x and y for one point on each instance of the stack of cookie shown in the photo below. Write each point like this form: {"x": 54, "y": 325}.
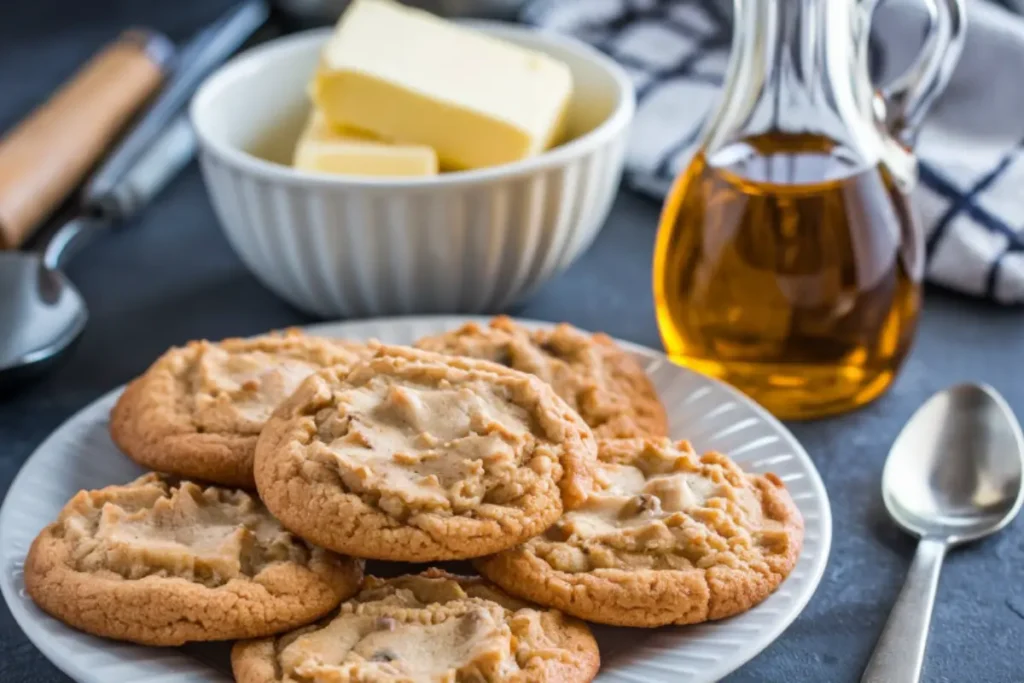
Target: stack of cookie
{"x": 539, "y": 455}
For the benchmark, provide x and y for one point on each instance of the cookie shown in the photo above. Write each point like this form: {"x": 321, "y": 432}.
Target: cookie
{"x": 197, "y": 411}
{"x": 165, "y": 562}
{"x": 429, "y": 627}
{"x": 599, "y": 380}
{"x": 417, "y": 457}
{"x": 667, "y": 538}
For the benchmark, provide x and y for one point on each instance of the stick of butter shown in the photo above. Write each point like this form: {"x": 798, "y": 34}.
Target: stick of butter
{"x": 327, "y": 150}
{"x": 407, "y": 75}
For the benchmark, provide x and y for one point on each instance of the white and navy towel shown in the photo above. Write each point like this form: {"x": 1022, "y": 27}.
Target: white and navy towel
{"x": 971, "y": 190}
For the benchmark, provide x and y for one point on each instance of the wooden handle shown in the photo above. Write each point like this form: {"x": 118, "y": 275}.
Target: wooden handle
{"x": 48, "y": 154}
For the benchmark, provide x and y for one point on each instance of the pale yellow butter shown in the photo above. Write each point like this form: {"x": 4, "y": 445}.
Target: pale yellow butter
{"x": 407, "y": 75}
{"x": 326, "y": 149}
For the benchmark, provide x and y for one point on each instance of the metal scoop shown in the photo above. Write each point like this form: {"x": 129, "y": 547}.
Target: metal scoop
{"x": 41, "y": 311}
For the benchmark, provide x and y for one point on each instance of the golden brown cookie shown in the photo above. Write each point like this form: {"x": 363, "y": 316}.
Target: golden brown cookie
{"x": 416, "y": 457}
{"x": 429, "y": 627}
{"x": 197, "y": 411}
{"x": 668, "y": 538}
{"x": 163, "y": 562}
{"x": 599, "y": 380}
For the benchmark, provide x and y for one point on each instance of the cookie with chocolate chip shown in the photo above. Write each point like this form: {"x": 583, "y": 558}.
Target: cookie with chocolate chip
{"x": 198, "y": 409}
{"x": 428, "y": 627}
{"x": 164, "y": 562}
{"x": 667, "y": 537}
{"x": 597, "y": 378}
{"x": 419, "y": 457}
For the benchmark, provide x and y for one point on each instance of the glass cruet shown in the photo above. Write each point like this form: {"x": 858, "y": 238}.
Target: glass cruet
{"x": 789, "y": 260}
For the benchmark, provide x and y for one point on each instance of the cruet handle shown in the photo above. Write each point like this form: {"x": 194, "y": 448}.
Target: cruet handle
{"x": 910, "y": 97}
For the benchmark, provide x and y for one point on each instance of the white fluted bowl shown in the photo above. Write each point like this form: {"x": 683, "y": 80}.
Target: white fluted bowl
{"x": 470, "y": 241}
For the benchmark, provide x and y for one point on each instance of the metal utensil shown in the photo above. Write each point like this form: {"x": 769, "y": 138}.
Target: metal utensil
{"x": 51, "y": 151}
{"x": 197, "y": 59}
{"x": 41, "y": 311}
{"x": 953, "y": 475}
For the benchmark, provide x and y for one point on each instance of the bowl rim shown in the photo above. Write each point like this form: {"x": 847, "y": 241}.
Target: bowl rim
{"x": 238, "y": 66}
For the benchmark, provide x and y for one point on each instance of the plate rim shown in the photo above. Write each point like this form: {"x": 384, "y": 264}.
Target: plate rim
{"x": 724, "y": 666}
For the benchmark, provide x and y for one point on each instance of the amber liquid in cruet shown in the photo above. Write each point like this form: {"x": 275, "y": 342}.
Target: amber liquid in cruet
{"x": 786, "y": 270}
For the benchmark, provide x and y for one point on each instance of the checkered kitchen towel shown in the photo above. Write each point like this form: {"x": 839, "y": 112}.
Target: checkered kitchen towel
{"x": 971, "y": 193}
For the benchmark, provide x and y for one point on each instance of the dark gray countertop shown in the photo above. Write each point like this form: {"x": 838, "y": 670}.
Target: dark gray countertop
{"x": 172, "y": 277}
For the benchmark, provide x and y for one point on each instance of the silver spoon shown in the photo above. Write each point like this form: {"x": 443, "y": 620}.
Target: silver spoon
{"x": 953, "y": 475}
{"x": 41, "y": 311}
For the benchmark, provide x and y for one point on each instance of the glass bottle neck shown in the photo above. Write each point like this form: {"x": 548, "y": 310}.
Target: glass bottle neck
{"x": 800, "y": 67}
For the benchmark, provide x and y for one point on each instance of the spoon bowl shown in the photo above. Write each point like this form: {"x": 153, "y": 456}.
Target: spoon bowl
{"x": 955, "y": 471}
{"x": 41, "y": 311}
{"x": 41, "y": 315}
{"x": 953, "y": 475}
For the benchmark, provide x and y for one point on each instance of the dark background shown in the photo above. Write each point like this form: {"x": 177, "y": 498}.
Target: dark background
{"x": 171, "y": 276}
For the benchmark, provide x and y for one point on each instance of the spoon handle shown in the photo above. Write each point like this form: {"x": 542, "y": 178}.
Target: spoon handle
{"x": 899, "y": 653}
{"x": 201, "y": 55}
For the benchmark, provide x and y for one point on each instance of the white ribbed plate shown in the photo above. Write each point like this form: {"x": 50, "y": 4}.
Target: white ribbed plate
{"x": 80, "y": 455}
